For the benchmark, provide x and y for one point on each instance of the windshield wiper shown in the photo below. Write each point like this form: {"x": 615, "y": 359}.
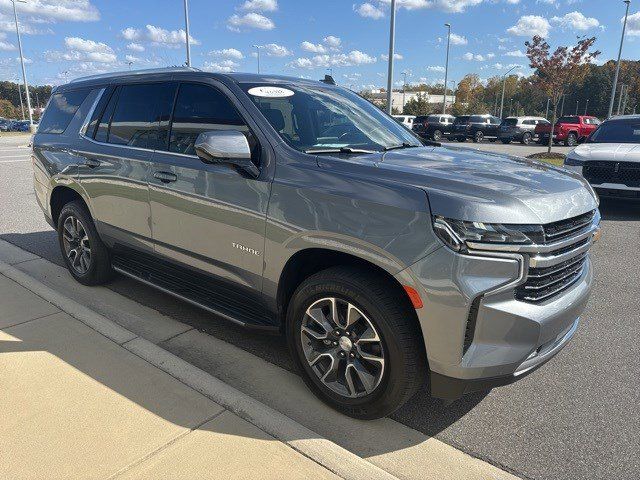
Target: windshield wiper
{"x": 397, "y": 147}
{"x": 338, "y": 150}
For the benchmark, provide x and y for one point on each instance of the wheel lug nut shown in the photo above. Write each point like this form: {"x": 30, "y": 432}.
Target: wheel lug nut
{"x": 335, "y": 344}
{"x": 342, "y": 354}
{"x": 352, "y": 355}
{"x": 327, "y": 342}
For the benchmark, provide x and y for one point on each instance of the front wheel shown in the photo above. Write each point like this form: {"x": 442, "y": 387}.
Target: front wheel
{"x": 478, "y": 137}
{"x": 437, "y": 135}
{"x": 526, "y": 138}
{"x": 356, "y": 341}
{"x": 86, "y": 257}
{"x": 571, "y": 141}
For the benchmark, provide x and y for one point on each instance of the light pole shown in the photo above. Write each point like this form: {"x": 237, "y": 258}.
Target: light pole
{"x": 577, "y": 103}
{"x": 504, "y": 84}
{"x": 257, "y": 47}
{"x": 186, "y": 29}
{"x": 626, "y": 98}
{"x": 20, "y": 96}
{"x": 615, "y": 77}
{"x": 24, "y": 72}
{"x": 620, "y": 98}
{"x": 404, "y": 88}
{"x": 446, "y": 69}
{"x": 586, "y": 107}
{"x": 392, "y": 40}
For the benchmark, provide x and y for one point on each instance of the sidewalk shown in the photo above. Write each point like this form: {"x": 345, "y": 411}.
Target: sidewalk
{"x": 75, "y": 404}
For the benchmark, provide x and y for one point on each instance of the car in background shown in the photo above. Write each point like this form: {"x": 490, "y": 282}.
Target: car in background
{"x": 476, "y": 127}
{"x": 19, "y": 126}
{"x": 433, "y": 127}
{"x": 570, "y": 130}
{"x": 406, "y": 120}
{"x": 5, "y": 125}
{"x": 519, "y": 129}
{"x": 610, "y": 158}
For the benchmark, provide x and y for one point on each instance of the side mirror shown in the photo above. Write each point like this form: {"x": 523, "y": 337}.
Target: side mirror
{"x": 226, "y": 146}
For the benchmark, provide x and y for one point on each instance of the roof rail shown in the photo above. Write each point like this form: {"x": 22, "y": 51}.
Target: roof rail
{"x": 136, "y": 72}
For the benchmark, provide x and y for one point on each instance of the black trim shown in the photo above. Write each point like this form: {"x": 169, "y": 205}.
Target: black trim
{"x": 470, "y": 328}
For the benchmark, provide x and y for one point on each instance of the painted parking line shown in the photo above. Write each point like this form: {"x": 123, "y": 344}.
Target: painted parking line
{"x": 16, "y": 161}
{"x": 6, "y": 157}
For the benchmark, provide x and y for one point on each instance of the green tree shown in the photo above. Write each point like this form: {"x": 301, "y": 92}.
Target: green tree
{"x": 7, "y": 110}
{"x": 418, "y": 105}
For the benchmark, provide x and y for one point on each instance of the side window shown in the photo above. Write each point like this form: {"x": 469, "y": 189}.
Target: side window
{"x": 200, "y": 108}
{"x": 97, "y": 112}
{"x": 61, "y": 109}
{"x": 136, "y": 117}
{"x": 102, "y": 130}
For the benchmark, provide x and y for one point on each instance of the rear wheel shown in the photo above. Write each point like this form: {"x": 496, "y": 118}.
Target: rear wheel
{"x": 86, "y": 257}
{"x": 356, "y": 341}
{"x": 437, "y": 135}
{"x": 526, "y": 138}
{"x": 478, "y": 137}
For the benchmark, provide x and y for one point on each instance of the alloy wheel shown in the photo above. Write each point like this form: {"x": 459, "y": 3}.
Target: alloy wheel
{"x": 342, "y": 347}
{"x": 76, "y": 243}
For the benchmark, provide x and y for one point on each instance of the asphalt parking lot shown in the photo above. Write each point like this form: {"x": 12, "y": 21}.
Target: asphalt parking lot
{"x": 575, "y": 418}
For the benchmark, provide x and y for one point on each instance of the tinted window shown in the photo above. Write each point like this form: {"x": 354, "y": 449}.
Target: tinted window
{"x": 591, "y": 121}
{"x": 201, "y": 108}
{"x": 626, "y": 131}
{"x": 102, "y": 130}
{"x": 495, "y": 120}
{"x": 421, "y": 118}
{"x": 61, "y": 109}
{"x": 136, "y": 119}
{"x": 459, "y": 120}
{"x": 511, "y": 121}
{"x": 477, "y": 119}
{"x": 572, "y": 120}
{"x": 97, "y": 112}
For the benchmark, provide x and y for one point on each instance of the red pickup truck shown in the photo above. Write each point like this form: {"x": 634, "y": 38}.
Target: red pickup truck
{"x": 568, "y": 129}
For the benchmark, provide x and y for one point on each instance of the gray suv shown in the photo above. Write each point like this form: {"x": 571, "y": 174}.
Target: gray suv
{"x": 295, "y": 206}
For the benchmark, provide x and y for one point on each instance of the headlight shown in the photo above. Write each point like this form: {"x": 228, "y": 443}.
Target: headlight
{"x": 574, "y": 162}
{"x": 456, "y": 233}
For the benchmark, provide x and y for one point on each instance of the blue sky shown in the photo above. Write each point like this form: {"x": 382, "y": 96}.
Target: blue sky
{"x": 64, "y": 39}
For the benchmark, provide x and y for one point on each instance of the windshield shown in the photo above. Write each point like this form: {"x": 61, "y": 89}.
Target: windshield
{"x": 318, "y": 118}
{"x": 617, "y": 132}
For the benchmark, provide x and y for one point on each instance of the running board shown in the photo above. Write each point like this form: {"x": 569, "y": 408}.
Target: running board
{"x": 197, "y": 289}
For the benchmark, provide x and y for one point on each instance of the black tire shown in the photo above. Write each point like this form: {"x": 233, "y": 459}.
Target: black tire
{"x": 478, "y": 137}
{"x": 572, "y": 140}
{"x": 99, "y": 269}
{"x": 436, "y": 135}
{"x": 526, "y": 138}
{"x": 392, "y": 315}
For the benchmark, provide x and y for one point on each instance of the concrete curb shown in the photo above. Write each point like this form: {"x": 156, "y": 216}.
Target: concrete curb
{"x": 324, "y": 452}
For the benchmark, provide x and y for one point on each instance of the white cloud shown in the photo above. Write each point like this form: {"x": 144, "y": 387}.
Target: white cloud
{"x": 369, "y": 11}
{"x": 313, "y": 47}
{"x": 260, "y": 5}
{"x": 135, "y": 47}
{"x": 436, "y": 68}
{"x": 576, "y": 21}
{"x": 353, "y": 58}
{"x": 158, "y": 36}
{"x": 458, "y": 39}
{"x": 5, "y": 46}
{"x": 80, "y": 49}
{"x": 478, "y": 57}
{"x": 515, "y": 53}
{"x": 231, "y": 53}
{"x": 275, "y": 50}
{"x": 7, "y": 24}
{"x": 396, "y": 56}
{"x": 223, "y": 66}
{"x": 633, "y": 24}
{"x": 530, "y": 25}
{"x": 62, "y": 10}
{"x": 250, "y": 20}
{"x": 334, "y": 43}
{"x": 452, "y": 6}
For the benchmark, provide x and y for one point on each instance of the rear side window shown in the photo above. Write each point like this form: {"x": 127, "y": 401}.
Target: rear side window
{"x": 200, "y": 108}
{"x": 512, "y": 121}
{"x": 463, "y": 119}
{"x": 61, "y": 109}
{"x": 136, "y": 118}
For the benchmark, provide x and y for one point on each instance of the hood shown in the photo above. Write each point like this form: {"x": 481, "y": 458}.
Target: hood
{"x": 620, "y": 152}
{"x": 468, "y": 184}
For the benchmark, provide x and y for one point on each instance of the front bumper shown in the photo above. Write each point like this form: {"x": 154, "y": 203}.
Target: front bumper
{"x": 477, "y": 334}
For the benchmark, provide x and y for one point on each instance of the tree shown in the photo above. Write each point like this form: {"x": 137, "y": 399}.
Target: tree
{"x": 7, "y": 110}
{"x": 418, "y": 105}
{"x": 554, "y": 71}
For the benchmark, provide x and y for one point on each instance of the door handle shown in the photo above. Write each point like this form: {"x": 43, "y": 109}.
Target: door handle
{"x": 92, "y": 162}
{"x": 165, "y": 177}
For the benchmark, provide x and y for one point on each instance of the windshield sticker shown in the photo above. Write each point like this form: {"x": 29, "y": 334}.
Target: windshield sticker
{"x": 270, "y": 92}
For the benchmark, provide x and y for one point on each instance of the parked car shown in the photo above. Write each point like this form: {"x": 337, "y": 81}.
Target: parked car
{"x": 5, "y": 125}
{"x": 610, "y": 158}
{"x": 476, "y": 127}
{"x": 520, "y": 129}
{"x": 385, "y": 263}
{"x": 569, "y": 130}
{"x": 433, "y": 127}
{"x": 19, "y": 126}
{"x": 406, "y": 120}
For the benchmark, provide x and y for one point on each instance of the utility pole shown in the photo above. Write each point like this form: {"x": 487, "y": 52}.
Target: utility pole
{"x": 24, "y": 72}
{"x": 546, "y": 115}
{"x": 615, "y": 77}
{"x": 20, "y": 97}
{"x": 257, "y": 47}
{"x": 620, "y": 98}
{"x": 404, "y": 88}
{"x": 495, "y": 106}
{"x": 626, "y": 98}
{"x": 577, "y": 103}
{"x": 392, "y": 40}
{"x": 446, "y": 69}
{"x": 504, "y": 84}
{"x": 186, "y": 29}
{"x": 586, "y": 107}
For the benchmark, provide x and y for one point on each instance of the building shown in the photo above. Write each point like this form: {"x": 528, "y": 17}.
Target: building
{"x": 399, "y": 99}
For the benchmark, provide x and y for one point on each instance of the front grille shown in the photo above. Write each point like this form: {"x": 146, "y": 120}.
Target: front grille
{"x": 625, "y": 173}
{"x": 543, "y": 283}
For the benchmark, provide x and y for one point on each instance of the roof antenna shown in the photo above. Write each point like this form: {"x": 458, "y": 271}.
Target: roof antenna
{"x": 328, "y": 79}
